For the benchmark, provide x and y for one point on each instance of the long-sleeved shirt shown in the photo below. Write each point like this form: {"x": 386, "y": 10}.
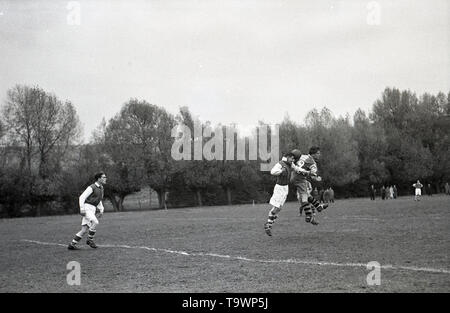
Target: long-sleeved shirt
{"x": 277, "y": 169}
{"x": 305, "y": 167}
{"x": 85, "y": 195}
{"x": 282, "y": 171}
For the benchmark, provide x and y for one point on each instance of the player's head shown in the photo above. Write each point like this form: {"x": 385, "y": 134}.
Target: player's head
{"x": 290, "y": 157}
{"x": 297, "y": 154}
{"x": 100, "y": 177}
{"x": 314, "y": 151}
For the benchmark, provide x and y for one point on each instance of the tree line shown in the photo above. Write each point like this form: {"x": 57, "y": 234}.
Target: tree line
{"x": 44, "y": 165}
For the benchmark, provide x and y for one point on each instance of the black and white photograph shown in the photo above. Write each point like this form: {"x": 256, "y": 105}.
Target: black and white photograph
{"x": 224, "y": 150}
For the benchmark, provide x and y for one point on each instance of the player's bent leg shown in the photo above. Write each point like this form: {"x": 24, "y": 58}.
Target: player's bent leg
{"x": 93, "y": 222}
{"x": 316, "y": 204}
{"x": 77, "y": 238}
{"x": 273, "y": 215}
{"x": 277, "y": 201}
{"x": 268, "y": 228}
{"x": 306, "y": 207}
{"x": 309, "y": 214}
{"x": 302, "y": 199}
{"x": 90, "y": 240}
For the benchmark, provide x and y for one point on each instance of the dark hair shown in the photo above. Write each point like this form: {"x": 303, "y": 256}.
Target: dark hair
{"x": 297, "y": 154}
{"x": 289, "y": 154}
{"x": 98, "y": 175}
{"x": 313, "y": 150}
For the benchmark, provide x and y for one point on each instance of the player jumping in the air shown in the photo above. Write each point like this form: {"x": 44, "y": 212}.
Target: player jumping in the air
{"x": 280, "y": 192}
{"x": 305, "y": 168}
{"x": 90, "y": 200}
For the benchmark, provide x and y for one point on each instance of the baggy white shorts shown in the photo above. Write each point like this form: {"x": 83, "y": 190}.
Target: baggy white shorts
{"x": 279, "y": 196}
{"x": 89, "y": 219}
{"x": 418, "y": 192}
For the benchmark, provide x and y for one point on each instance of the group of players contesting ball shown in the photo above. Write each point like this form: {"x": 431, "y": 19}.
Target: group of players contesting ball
{"x": 293, "y": 168}
{"x": 296, "y": 169}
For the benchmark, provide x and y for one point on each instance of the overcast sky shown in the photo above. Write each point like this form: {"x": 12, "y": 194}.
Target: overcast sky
{"x": 228, "y": 61}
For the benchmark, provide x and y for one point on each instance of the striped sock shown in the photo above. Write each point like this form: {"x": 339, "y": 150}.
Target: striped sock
{"x": 271, "y": 218}
{"x": 76, "y": 239}
{"x": 91, "y": 235}
{"x": 315, "y": 203}
{"x": 306, "y": 207}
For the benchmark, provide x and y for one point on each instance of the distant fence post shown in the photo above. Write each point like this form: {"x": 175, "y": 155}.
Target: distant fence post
{"x": 166, "y": 196}
{"x": 150, "y": 199}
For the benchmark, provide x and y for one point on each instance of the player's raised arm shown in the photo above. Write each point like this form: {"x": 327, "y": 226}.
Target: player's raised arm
{"x": 277, "y": 169}
{"x": 298, "y": 168}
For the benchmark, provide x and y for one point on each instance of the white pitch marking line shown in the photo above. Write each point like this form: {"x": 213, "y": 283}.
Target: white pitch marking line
{"x": 240, "y": 258}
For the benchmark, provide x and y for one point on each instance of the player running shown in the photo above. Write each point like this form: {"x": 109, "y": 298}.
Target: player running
{"x": 90, "y": 200}
{"x": 280, "y": 192}
{"x": 305, "y": 169}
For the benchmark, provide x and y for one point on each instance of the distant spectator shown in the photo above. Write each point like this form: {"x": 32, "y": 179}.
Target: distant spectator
{"x": 321, "y": 191}
{"x": 418, "y": 190}
{"x": 166, "y": 199}
{"x": 447, "y": 188}
{"x": 326, "y": 196}
{"x": 391, "y": 192}
{"x": 383, "y": 193}
{"x": 372, "y": 191}
{"x": 395, "y": 191}
{"x": 331, "y": 195}
{"x": 429, "y": 190}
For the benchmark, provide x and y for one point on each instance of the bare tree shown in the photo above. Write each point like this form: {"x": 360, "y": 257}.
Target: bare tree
{"x": 42, "y": 123}
{"x": 18, "y": 115}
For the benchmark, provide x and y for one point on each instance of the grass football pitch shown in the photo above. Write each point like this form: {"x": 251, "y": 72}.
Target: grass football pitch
{"x": 225, "y": 249}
